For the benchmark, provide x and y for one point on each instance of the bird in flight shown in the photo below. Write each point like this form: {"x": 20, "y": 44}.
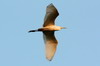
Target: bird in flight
{"x": 48, "y": 30}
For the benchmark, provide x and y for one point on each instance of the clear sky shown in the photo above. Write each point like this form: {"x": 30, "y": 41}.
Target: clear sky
{"x": 79, "y": 45}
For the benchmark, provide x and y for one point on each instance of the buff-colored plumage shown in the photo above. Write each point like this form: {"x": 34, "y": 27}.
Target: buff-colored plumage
{"x": 48, "y": 30}
{"x": 50, "y": 40}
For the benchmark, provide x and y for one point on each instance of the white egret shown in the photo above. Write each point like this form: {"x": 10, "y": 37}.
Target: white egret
{"x": 48, "y": 30}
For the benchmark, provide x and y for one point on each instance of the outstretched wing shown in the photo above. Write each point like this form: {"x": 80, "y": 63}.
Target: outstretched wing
{"x": 51, "y": 14}
{"x": 50, "y": 44}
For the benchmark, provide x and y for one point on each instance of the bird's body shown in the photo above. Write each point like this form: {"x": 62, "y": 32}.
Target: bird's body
{"x": 48, "y": 30}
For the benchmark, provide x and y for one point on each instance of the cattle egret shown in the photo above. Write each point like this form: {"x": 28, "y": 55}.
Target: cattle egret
{"x": 48, "y": 30}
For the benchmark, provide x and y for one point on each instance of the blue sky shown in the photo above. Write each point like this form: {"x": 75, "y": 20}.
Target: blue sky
{"x": 79, "y": 45}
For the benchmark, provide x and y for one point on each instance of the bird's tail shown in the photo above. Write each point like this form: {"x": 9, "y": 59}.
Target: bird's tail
{"x": 40, "y": 29}
{"x": 32, "y": 31}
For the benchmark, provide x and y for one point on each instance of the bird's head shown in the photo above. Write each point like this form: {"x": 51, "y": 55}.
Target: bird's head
{"x": 63, "y": 28}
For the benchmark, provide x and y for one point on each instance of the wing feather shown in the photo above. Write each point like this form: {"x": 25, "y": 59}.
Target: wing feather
{"x": 51, "y": 14}
{"x": 50, "y": 44}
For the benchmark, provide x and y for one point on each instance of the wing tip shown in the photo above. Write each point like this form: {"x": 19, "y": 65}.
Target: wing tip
{"x": 50, "y": 5}
{"x": 49, "y": 58}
